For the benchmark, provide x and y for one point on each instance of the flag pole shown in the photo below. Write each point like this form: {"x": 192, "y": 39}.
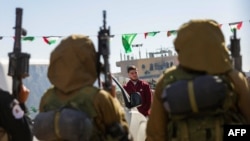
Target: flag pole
{"x": 139, "y": 46}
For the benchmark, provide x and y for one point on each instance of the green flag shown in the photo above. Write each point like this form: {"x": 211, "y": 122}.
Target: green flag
{"x": 33, "y": 109}
{"x": 127, "y": 40}
{"x": 28, "y": 38}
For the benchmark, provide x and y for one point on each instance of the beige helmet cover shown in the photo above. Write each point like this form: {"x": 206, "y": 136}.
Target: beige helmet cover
{"x": 200, "y": 45}
{"x": 73, "y": 64}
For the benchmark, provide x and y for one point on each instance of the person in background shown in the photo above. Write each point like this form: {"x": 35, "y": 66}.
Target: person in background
{"x": 142, "y": 87}
{"x": 14, "y": 125}
{"x": 193, "y": 100}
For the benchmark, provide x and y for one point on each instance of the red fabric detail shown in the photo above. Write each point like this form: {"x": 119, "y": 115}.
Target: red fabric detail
{"x": 143, "y": 88}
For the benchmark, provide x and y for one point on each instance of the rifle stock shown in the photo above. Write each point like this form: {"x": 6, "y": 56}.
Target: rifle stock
{"x": 18, "y": 61}
{"x": 235, "y": 51}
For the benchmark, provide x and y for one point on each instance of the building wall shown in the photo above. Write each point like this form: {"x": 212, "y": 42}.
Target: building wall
{"x": 148, "y": 68}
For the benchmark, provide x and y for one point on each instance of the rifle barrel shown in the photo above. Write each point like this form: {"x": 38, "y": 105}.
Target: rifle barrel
{"x": 104, "y": 51}
{"x": 18, "y": 61}
{"x": 18, "y": 30}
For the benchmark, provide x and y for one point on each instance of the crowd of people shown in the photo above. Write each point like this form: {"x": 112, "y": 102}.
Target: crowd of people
{"x": 192, "y": 101}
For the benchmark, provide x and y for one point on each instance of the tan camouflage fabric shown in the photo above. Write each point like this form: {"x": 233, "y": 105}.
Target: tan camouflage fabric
{"x": 201, "y": 46}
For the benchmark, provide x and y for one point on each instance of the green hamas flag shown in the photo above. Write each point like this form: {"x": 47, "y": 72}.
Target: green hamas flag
{"x": 127, "y": 40}
{"x": 28, "y": 38}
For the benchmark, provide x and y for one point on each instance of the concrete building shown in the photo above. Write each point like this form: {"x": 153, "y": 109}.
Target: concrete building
{"x": 149, "y": 68}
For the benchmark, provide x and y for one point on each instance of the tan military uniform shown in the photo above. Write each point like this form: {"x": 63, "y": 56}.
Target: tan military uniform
{"x": 200, "y": 46}
{"x": 73, "y": 67}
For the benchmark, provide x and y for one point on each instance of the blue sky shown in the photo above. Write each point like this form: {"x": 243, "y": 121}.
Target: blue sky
{"x": 64, "y": 17}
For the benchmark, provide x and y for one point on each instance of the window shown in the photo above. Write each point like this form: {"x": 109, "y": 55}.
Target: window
{"x": 171, "y": 64}
{"x": 147, "y": 72}
{"x": 159, "y": 66}
{"x": 151, "y": 68}
{"x": 143, "y": 66}
{"x": 167, "y": 64}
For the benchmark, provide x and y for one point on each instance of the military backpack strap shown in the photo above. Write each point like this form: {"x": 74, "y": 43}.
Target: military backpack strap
{"x": 184, "y": 131}
{"x": 56, "y": 124}
{"x": 191, "y": 96}
{"x": 218, "y": 132}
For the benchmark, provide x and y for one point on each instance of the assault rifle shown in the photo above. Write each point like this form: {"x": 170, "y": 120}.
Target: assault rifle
{"x": 235, "y": 51}
{"x": 104, "y": 51}
{"x": 18, "y": 61}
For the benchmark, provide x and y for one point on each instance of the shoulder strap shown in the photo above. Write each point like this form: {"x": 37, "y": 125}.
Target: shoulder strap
{"x": 177, "y": 74}
{"x": 82, "y": 100}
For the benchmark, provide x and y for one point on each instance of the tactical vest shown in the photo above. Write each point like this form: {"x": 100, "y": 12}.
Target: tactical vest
{"x": 67, "y": 118}
{"x": 190, "y": 119}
